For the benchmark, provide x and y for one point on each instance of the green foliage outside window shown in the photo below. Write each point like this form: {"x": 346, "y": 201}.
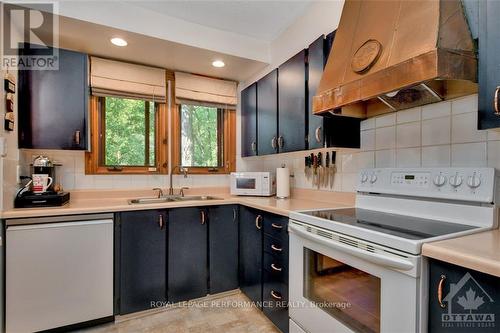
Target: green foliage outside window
{"x": 125, "y": 132}
{"x": 199, "y": 136}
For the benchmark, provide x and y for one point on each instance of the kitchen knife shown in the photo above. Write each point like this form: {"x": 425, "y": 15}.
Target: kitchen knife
{"x": 333, "y": 168}
{"x": 320, "y": 169}
{"x": 315, "y": 169}
{"x": 327, "y": 169}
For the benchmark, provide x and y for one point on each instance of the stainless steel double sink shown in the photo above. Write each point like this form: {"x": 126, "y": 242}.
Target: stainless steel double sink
{"x": 172, "y": 198}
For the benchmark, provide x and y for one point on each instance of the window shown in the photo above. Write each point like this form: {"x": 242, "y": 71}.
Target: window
{"x": 126, "y": 136}
{"x": 201, "y": 134}
{"x": 205, "y": 137}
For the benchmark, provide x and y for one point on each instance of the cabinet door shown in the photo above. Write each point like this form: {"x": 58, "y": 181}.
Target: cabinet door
{"x": 251, "y": 253}
{"x": 267, "y": 114}
{"x": 249, "y": 121}
{"x": 143, "y": 259}
{"x": 187, "y": 253}
{"x": 223, "y": 248}
{"x": 316, "y": 63}
{"x": 292, "y": 120}
{"x": 489, "y": 63}
{"x": 470, "y": 300}
{"x": 53, "y": 105}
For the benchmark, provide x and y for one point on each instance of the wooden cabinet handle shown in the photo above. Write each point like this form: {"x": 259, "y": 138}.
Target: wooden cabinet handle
{"x": 495, "y": 101}
{"x": 276, "y": 226}
{"x": 161, "y": 223}
{"x": 203, "y": 217}
{"x": 276, "y": 268}
{"x": 276, "y": 295}
{"x": 440, "y": 291}
{"x": 317, "y": 134}
{"x": 275, "y": 248}
{"x": 258, "y": 222}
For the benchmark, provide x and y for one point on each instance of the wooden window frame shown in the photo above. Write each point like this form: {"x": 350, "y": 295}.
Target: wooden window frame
{"x": 226, "y": 127}
{"x": 94, "y": 159}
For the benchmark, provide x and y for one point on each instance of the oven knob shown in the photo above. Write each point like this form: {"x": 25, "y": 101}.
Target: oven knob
{"x": 373, "y": 178}
{"x": 474, "y": 181}
{"x": 439, "y": 180}
{"x": 456, "y": 180}
{"x": 364, "y": 178}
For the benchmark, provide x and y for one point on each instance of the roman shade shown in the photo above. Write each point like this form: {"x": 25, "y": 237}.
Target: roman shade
{"x": 121, "y": 79}
{"x": 201, "y": 90}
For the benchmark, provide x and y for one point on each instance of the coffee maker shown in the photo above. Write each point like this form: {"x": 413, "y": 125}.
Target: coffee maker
{"x": 32, "y": 194}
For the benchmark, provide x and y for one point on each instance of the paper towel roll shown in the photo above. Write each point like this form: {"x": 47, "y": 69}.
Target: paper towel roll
{"x": 282, "y": 182}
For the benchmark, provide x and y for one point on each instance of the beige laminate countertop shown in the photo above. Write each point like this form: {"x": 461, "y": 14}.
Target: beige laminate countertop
{"x": 480, "y": 252}
{"x": 87, "y": 202}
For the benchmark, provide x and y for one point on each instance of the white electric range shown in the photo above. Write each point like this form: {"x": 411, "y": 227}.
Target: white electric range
{"x": 360, "y": 269}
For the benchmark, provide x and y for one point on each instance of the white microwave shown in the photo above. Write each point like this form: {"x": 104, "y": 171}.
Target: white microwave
{"x": 253, "y": 183}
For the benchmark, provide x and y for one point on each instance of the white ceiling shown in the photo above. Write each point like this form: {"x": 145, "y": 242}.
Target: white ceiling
{"x": 263, "y": 20}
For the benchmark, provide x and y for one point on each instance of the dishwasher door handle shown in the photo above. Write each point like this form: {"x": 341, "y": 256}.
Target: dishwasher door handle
{"x": 57, "y": 225}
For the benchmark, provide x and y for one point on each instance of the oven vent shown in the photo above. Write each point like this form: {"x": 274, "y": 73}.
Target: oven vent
{"x": 350, "y": 241}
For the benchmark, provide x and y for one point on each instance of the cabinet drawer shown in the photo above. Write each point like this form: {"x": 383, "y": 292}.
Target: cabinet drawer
{"x": 275, "y": 296}
{"x": 276, "y": 226}
{"x": 276, "y": 269}
{"x": 276, "y": 246}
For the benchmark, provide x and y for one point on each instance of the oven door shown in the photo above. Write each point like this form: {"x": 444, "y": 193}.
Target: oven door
{"x": 340, "y": 284}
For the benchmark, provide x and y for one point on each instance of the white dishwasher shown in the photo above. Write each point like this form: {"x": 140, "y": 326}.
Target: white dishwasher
{"x": 59, "y": 271}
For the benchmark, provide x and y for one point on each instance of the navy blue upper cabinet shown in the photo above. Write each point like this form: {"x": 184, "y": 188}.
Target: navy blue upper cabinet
{"x": 317, "y": 55}
{"x": 249, "y": 121}
{"x": 267, "y": 114}
{"x": 250, "y": 266}
{"x": 459, "y": 296}
{"x": 489, "y": 63}
{"x": 142, "y": 259}
{"x": 187, "y": 253}
{"x": 292, "y": 115}
{"x": 223, "y": 248}
{"x": 53, "y": 104}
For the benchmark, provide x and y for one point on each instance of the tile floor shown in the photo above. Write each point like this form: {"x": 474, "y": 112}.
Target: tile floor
{"x": 225, "y": 314}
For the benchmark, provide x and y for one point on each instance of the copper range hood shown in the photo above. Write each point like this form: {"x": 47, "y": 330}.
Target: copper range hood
{"x": 390, "y": 55}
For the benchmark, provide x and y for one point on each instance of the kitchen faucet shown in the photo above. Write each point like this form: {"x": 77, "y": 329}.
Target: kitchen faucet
{"x": 181, "y": 169}
{"x": 160, "y": 191}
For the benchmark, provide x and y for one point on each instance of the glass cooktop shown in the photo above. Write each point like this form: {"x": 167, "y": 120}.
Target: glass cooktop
{"x": 397, "y": 225}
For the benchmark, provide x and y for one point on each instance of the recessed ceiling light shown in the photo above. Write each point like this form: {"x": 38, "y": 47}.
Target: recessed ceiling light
{"x": 119, "y": 41}
{"x": 218, "y": 63}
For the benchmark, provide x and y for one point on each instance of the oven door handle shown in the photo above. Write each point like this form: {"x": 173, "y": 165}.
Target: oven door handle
{"x": 368, "y": 256}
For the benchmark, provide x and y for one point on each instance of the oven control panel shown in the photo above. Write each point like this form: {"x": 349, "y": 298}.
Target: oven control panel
{"x": 470, "y": 184}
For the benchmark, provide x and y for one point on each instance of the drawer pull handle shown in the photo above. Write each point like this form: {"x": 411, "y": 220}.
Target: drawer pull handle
{"x": 203, "y": 218}
{"x": 274, "y": 143}
{"x": 440, "y": 291}
{"x": 276, "y": 226}
{"x": 274, "y": 267}
{"x": 278, "y": 249}
{"x": 258, "y": 222}
{"x": 276, "y": 295}
{"x": 495, "y": 101}
{"x": 160, "y": 221}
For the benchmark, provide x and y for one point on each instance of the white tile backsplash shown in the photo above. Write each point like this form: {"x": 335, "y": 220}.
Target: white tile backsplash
{"x": 469, "y": 154}
{"x": 408, "y": 157}
{"x": 385, "y": 120}
{"x": 436, "y": 156}
{"x": 408, "y": 135}
{"x": 368, "y": 139}
{"x": 407, "y": 116}
{"x": 385, "y": 137}
{"x": 385, "y": 158}
{"x": 464, "y": 128}
{"x": 436, "y": 110}
{"x": 436, "y": 131}
{"x": 464, "y": 104}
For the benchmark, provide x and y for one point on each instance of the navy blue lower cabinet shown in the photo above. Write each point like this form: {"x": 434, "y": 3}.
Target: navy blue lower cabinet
{"x": 275, "y": 297}
{"x": 462, "y": 300}
{"x": 187, "y": 253}
{"x": 250, "y": 265}
{"x": 223, "y": 248}
{"x": 142, "y": 260}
